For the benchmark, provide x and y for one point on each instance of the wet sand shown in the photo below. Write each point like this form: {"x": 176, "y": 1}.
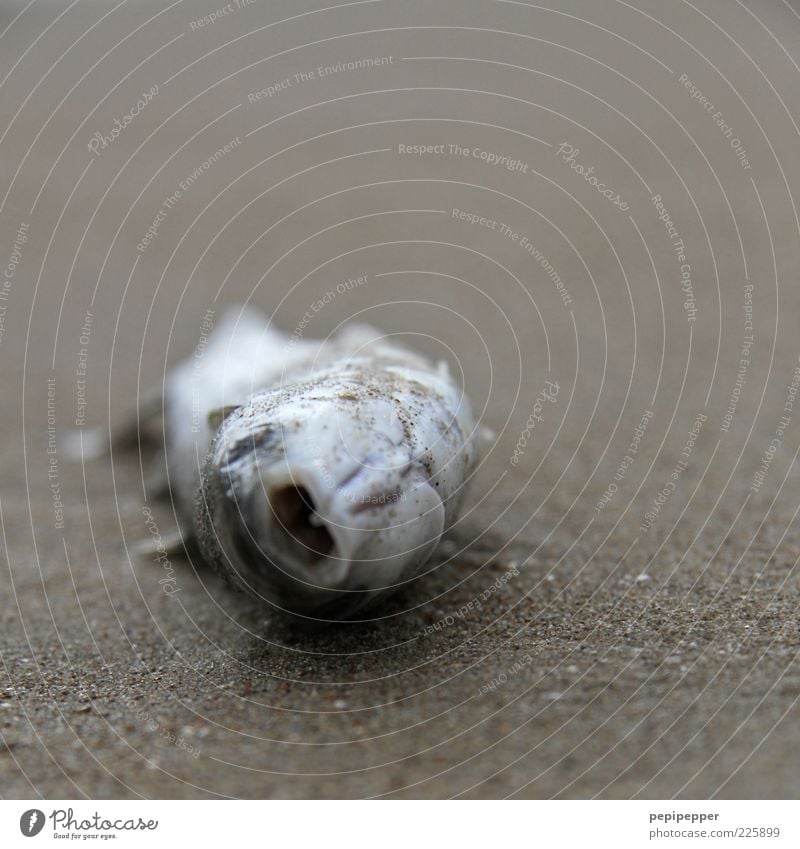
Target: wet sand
{"x": 565, "y": 644}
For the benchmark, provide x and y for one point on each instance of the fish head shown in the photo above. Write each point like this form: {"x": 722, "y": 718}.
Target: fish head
{"x": 336, "y": 509}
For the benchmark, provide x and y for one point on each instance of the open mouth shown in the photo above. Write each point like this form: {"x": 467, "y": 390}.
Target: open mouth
{"x": 299, "y": 526}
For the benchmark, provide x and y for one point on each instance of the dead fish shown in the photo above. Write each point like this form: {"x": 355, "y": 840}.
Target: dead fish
{"x": 318, "y": 476}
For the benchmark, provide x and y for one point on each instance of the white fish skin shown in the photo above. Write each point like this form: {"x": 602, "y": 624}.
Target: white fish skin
{"x": 336, "y": 468}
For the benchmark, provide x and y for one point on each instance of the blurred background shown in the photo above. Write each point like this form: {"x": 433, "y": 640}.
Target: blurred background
{"x": 596, "y": 196}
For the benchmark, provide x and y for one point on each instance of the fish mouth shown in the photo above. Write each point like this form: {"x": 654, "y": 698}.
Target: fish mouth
{"x": 289, "y": 518}
{"x": 298, "y": 524}
{"x": 311, "y": 536}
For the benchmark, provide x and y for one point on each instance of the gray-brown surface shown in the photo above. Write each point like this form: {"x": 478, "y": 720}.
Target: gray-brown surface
{"x": 632, "y": 654}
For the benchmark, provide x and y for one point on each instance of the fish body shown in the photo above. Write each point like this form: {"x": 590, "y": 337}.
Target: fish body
{"x": 318, "y": 476}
